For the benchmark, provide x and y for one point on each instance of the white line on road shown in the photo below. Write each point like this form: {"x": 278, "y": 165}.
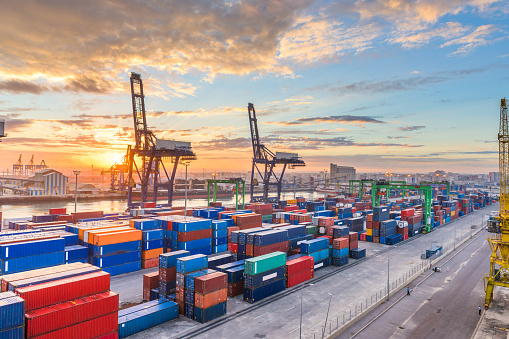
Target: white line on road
{"x": 261, "y": 315}
{"x": 289, "y": 308}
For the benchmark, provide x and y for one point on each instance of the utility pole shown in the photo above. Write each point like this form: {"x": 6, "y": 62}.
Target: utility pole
{"x": 76, "y": 173}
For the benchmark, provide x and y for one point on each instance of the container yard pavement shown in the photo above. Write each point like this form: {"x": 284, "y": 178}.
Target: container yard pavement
{"x": 441, "y": 305}
{"x": 348, "y": 287}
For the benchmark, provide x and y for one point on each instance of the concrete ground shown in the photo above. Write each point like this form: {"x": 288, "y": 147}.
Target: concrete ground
{"x": 440, "y": 305}
{"x": 495, "y": 320}
{"x": 346, "y": 288}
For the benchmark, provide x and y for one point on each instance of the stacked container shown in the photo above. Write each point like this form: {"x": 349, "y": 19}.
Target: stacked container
{"x": 150, "y": 283}
{"x": 380, "y": 213}
{"x": 193, "y": 235}
{"x": 211, "y": 291}
{"x": 299, "y": 270}
{"x": 79, "y": 306}
{"x": 117, "y": 252}
{"x": 12, "y": 316}
{"x": 168, "y": 273}
{"x": 340, "y": 251}
{"x": 139, "y": 318}
{"x": 152, "y": 247}
{"x": 317, "y": 248}
{"x": 184, "y": 295}
{"x": 29, "y": 255}
{"x": 264, "y": 276}
{"x": 235, "y": 273}
{"x": 296, "y": 234}
{"x": 266, "y": 242}
{"x": 219, "y": 236}
{"x": 387, "y": 228}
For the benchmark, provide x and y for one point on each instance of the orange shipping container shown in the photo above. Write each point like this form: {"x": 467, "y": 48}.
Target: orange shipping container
{"x": 210, "y": 299}
{"x": 150, "y": 254}
{"x": 88, "y": 235}
{"x": 117, "y": 237}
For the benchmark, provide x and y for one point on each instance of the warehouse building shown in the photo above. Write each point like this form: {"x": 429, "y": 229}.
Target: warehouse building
{"x": 49, "y": 182}
{"x": 343, "y": 173}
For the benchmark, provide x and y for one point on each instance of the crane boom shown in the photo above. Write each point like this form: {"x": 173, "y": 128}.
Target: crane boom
{"x": 499, "y": 242}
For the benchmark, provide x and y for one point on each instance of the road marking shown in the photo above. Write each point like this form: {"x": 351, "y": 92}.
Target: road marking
{"x": 244, "y": 331}
{"x": 261, "y": 315}
{"x": 290, "y": 308}
{"x": 294, "y": 330}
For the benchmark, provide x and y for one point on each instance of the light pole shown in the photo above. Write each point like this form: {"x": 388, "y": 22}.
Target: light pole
{"x": 76, "y": 173}
{"x": 185, "y": 163}
{"x": 327, "y": 316}
{"x": 325, "y": 189}
{"x": 388, "y": 269}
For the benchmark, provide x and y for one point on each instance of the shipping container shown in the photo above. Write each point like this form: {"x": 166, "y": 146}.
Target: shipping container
{"x": 12, "y": 311}
{"x": 209, "y": 314}
{"x": 113, "y": 249}
{"x": 211, "y": 282}
{"x": 265, "y": 278}
{"x": 210, "y": 299}
{"x": 31, "y": 248}
{"x": 32, "y": 262}
{"x": 88, "y": 329}
{"x": 192, "y": 263}
{"x": 264, "y": 263}
{"x": 254, "y": 295}
{"x": 115, "y": 260}
{"x": 124, "y": 268}
{"x": 168, "y": 260}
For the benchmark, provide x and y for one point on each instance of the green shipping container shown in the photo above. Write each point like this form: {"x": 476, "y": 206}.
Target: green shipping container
{"x": 264, "y": 263}
{"x": 311, "y": 229}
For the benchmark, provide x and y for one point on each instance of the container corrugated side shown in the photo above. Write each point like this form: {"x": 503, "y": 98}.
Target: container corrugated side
{"x": 117, "y": 259}
{"x": 50, "y": 293}
{"x": 124, "y": 268}
{"x": 29, "y": 248}
{"x": 147, "y": 318}
{"x": 13, "y": 333}
{"x": 12, "y": 312}
{"x": 88, "y": 329}
{"x": 29, "y": 263}
{"x": 66, "y": 314}
{"x": 52, "y": 277}
{"x": 106, "y": 250}
{"x": 208, "y": 314}
{"x": 264, "y": 263}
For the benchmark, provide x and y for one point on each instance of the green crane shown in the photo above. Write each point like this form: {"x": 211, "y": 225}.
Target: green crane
{"x": 433, "y": 183}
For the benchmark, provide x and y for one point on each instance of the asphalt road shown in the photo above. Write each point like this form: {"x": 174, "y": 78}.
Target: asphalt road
{"x": 441, "y": 305}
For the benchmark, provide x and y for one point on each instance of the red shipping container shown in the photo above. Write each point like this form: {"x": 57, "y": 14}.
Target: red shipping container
{"x": 291, "y": 208}
{"x": 89, "y": 329}
{"x": 353, "y": 236}
{"x": 376, "y": 224}
{"x": 65, "y": 217}
{"x": 210, "y": 299}
{"x": 57, "y": 316}
{"x": 330, "y": 230}
{"x": 146, "y": 294}
{"x": 340, "y": 243}
{"x": 86, "y": 215}
{"x": 167, "y": 274}
{"x": 54, "y": 292}
{"x": 281, "y": 247}
{"x": 210, "y": 282}
{"x": 112, "y": 335}
{"x": 405, "y": 236}
{"x": 236, "y": 289}
{"x": 353, "y": 244}
{"x": 247, "y": 219}
{"x": 407, "y": 212}
{"x": 151, "y": 280}
{"x": 376, "y": 240}
{"x": 300, "y": 278}
{"x": 232, "y": 247}
{"x": 328, "y": 237}
{"x": 249, "y": 249}
{"x": 252, "y": 225}
{"x": 299, "y": 265}
{"x": 181, "y": 304}
{"x": 179, "y": 293}
{"x": 232, "y": 229}
{"x": 150, "y": 263}
{"x": 325, "y": 221}
{"x": 194, "y": 235}
{"x": 57, "y": 210}
{"x": 148, "y": 204}
{"x": 369, "y": 224}
{"x": 362, "y": 236}
{"x": 369, "y": 217}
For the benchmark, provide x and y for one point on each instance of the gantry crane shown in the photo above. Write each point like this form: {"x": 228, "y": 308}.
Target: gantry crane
{"x": 41, "y": 166}
{"x": 433, "y": 183}
{"x": 499, "y": 242}
{"x": 151, "y": 151}
{"x": 264, "y": 162}
{"x": 30, "y": 167}
{"x": 17, "y": 168}
{"x": 117, "y": 172}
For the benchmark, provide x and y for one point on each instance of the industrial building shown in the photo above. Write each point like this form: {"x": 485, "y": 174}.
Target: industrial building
{"x": 45, "y": 182}
{"x": 343, "y": 173}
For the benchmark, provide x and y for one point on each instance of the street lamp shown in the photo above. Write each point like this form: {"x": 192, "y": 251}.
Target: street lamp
{"x": 388, "y": 269}
{"x": 325, "y": 189}
{"x": 76, "y": 173}
{"x": 185, "y": 163}
{"x": 301, "y": 299}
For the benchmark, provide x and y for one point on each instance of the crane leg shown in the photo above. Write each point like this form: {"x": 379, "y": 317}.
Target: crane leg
{"x": 489, "y": 292}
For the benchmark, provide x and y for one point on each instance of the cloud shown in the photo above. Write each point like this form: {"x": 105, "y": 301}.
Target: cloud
{"x": 17, "y": 86}
{"x": 399, "y": 137}
{"x": 341, "y": 119}
{"x": 412, "y": 40}
{"x": 387, "y": 85}
{"x": 477, "y": 38}
{"x": 410, "y": 128}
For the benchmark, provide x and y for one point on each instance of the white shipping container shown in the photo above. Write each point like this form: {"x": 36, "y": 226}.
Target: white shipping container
{"x": 284, "y": 155}
{"x": 172, "y": 145}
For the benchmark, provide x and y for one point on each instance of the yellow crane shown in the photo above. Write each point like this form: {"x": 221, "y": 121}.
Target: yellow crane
{"x": 499, "y": 242}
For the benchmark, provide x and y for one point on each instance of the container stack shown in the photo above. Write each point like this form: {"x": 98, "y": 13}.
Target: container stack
{"x": 210, "y": 296}
{"x": 247, "y": 221}
{"x": 264, "y": 276}
{"x": 219, "y": 236}
{"x": 186, "y": 266}
{"x": 296, "y": 234}
{"x": 402, "y": 229}
{"x": 117, "y": 252}
{"x": 76, "y": 253}
{"x": 299, "y": 270}
{"x": 317, "y": 248}
{"x": 387, "y": 229}
{"x": 151, "y": 283}
{"x": 76, "y": 307}
{"x": 152, "y": 247}
{"x": 168, "y": 274}
{"x": 141, "y": 317}
{"x": 12, "y": 316}
{"x": 235, "y": 273}
{"x": 355, "y": 224}
{"x": 380, "y": 213}
{"x": 340, "y": 251}
{"x": 266, "y": 242}
{"x": 193, "y": 235}
{"x": 21, "y": 255}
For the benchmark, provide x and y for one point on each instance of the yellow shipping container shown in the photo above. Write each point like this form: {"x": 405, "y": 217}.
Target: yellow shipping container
{"x": 292, "y": 202}
{"x": 369, "y": 231}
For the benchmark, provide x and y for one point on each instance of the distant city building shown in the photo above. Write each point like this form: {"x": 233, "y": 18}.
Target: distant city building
{"x": 494, "y": 177}
{"x": 49, "y": 182}
{"x": 343, "y": 173}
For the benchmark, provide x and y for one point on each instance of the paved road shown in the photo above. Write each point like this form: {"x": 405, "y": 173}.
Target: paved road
{"x": 348, "y": 288}
{"x": 442, "y": 305}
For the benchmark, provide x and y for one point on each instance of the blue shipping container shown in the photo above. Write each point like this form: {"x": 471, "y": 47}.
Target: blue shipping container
{"x": 29, "y": 248}
{"x": 152, "y": 235}
{"x": 113, "y": 249}
{"x": 124, "y": 268}
{"x": 208, "y": 314}
{"x": 30, "y": 263}
{"x": 320, "y": 255}
{"x": 265, "y": 278}
{"x": 219, "y": 260}
{"x": 220, "y": 248}
{"x": 192, "y": 263}
{"x": 115, "y": 260}
{"x": 254, "y": 295}
{"x": 12, "y": 312}
{"x": 235, "y": 274}
{"x": 225, "y": 267}
{"x": 310, "y": 246}
{"x": 168, "y": 260}
{"x": 322, "y": 263}
{"x": 146, "y": 318}
{"x": 76, "y": 252}
{"x": 194, "y": 244}
{"x": 13, "y": 333}
{"x": 152, "y": 244}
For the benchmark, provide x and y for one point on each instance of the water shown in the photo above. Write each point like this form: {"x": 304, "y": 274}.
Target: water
{"x": 114, "y": 206}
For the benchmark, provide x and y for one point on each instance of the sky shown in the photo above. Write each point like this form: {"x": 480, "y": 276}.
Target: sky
{"x": 397, "y": 85}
